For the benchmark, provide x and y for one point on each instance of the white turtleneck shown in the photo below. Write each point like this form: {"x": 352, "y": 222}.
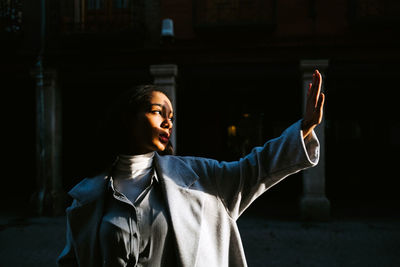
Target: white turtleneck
{"x": 132, "y": 174}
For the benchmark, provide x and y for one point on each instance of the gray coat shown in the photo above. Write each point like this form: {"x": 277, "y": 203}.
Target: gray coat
{"x": 203, "y": 196}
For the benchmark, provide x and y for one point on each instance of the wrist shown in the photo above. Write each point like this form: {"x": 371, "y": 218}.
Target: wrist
{"x": 307, "y": 128}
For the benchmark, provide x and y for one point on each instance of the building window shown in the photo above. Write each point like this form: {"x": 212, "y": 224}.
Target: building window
{"x": 120, "y": 4}
{"x": 102, "y": 15}
{"x": 10, "y": 16}
{"x": 367, "y": 12}
{"x": 95, "y": 4}
{"x": 234, "y": 13}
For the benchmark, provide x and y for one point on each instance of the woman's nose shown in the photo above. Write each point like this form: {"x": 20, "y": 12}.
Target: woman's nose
{"x": 167, "y": 123}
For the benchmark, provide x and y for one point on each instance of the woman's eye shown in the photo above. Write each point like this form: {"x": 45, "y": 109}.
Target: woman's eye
{"x": 156, "y": 112}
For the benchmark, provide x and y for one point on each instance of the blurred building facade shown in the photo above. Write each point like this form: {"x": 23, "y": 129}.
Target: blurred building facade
{"x": 237, "y": 78}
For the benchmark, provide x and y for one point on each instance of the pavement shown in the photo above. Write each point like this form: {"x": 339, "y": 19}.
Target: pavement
{"x": 37, "y": 241}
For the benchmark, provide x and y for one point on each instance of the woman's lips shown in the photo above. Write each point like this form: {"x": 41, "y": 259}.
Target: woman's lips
{"x": 164, "y": 138}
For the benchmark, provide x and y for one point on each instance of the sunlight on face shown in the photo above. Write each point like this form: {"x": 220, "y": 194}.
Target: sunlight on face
{"x": 153, "y": 125}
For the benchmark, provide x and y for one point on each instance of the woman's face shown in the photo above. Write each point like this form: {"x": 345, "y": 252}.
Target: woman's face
{"x": 152, "y": 126}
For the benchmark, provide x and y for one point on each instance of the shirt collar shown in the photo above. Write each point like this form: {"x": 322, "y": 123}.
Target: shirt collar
{"x": 154, "y": 180}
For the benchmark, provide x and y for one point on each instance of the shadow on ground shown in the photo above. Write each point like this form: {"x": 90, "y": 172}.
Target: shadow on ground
{"x": 37, "y": 241}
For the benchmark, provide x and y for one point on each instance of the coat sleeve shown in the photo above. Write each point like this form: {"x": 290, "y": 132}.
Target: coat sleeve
{"x": 239, "y": 183}
{"x": 67, "y": 256}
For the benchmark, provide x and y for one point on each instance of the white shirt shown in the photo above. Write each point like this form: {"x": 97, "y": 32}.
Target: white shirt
{"x": 132, "y": 174}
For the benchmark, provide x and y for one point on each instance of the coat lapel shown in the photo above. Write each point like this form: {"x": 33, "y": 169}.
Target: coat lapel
{"x": 185, "y": 206}
{"x": 84, "y": 219}
{"x": 184, "y": 203}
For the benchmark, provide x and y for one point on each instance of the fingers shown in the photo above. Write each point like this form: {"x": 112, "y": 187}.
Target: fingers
{"x": 316, "y": 87}
{"x": 317, "y": 80}
{"x": 320, "y": 107}
{"x": 315, "y": 101}
{"x": 313, "y": 77}
{"x": 321, "y": 101}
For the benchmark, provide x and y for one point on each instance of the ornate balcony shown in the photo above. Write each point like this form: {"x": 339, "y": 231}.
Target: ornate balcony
{"x": 234, "y": 15}
{"x": 101, "y": 16}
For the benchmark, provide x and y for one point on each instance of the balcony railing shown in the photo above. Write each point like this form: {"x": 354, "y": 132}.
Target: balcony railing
{"x": 101, "y": 16}
{"x": 234, "y": 14}
{"x": 10, "y": 16}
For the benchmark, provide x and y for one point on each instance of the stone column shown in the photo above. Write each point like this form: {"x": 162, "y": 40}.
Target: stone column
{"x": 49, "y": 197}
{"x": 164, "y": 76}
{"x": 314, "y": 203}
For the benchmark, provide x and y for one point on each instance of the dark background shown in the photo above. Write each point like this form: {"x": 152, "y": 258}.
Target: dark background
{"x": 241, "y": 58}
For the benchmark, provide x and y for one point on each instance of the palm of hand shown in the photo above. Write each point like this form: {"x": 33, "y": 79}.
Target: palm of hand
{"x": 314, "y": 105}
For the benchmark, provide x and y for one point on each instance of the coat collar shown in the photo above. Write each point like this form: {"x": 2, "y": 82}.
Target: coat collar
{"x": 175, "y": 169}
{"x": 184, "y": 203}
{"x": 185, "y": 206}
{"x": 89, "y": 189}
{"x": 170, "y": 168}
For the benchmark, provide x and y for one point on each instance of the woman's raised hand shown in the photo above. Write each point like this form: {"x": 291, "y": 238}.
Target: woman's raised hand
{"x": 314, "y": 105}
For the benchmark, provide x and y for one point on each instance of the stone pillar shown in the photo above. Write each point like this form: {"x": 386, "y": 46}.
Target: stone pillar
{"x": 314, "y": 203}
{"x": 49, "y": 197}
{"x": 164, "y": 76}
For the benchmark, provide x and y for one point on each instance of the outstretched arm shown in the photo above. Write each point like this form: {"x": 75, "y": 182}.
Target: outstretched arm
{"x": 239, "y": 183}
{"x": 314, "y": 105}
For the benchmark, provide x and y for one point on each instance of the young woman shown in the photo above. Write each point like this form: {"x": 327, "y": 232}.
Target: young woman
{"x": 151, "y": 209}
